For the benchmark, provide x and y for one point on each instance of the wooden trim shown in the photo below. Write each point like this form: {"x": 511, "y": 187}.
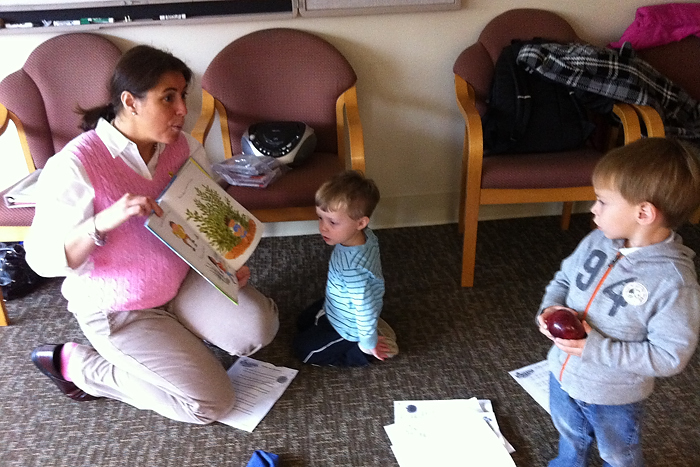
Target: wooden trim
{"x": 13, "y": 233}
{"x": 340, "y": 128}
{"x": 348, "y": 101}
{"x": 536, "y": 195}
{"x": 4, "y": 319}
{"x": 566, "y": 211}
{"x": 5, "y": 117}
{"x": 225, "y": 134}
{"x": 206, "y": 118}
{"x": 652, "y": 120}
{"x": 695, "y": 218}
{"x": 470, "y": 184}
{"x": 630, "y": 122}
{"x": 305, "y": 213}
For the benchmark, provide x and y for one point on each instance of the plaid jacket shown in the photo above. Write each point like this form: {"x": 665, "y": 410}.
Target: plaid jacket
{"x": 616, "y": 74}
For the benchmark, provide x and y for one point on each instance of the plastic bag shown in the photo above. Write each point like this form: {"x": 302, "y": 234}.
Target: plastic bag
{"x": 249, "y": 170}
{"x": 16, "y": 277}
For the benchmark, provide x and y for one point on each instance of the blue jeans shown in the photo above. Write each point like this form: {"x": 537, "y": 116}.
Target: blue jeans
{"x": 616, "y": 429}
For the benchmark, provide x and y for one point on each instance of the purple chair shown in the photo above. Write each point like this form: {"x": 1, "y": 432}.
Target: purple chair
{"x": 285, "y": 75}
{"x": 522, "y": 178}
{"x": 61, "y": 74}
{"x": 672, "y": 60}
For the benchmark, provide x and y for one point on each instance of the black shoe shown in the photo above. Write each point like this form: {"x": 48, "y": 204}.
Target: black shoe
{"x": 47, "y": 358}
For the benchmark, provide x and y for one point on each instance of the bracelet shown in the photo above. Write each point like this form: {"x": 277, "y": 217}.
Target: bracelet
{"x": 99, "y": 238}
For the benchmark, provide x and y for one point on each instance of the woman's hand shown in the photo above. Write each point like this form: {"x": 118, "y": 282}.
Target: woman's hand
{"x": 123, "y": 209}
{"x": 243, "y": 275}
{"x": 79, "y": 245}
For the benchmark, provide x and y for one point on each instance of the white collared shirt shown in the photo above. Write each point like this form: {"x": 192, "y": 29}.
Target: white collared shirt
{"x": 65, "y": 198}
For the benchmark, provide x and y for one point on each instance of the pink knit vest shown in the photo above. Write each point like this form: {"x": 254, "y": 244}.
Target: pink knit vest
{"x": 134, "y": 270}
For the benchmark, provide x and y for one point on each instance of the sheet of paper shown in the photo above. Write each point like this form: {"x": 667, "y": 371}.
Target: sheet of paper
{"x": 258, "y": 386}
{"x": 445, "y": 432}
{"x": 418, "y": 412}
{"x": 534, "y": 379}
{"x": 490, "y": 418}
{"x": 23, "y": 193}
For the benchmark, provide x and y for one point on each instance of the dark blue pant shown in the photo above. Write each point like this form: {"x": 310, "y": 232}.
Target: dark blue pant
{"x": 318, "y": 343}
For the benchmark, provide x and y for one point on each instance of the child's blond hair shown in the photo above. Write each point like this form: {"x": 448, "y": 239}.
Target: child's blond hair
{"x": 349, "y": 190}
{"x": 662, "y": 171}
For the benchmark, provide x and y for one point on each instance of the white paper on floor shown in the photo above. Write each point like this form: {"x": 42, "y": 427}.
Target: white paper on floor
{"x": 258, "y": 386}
{"x": 535, "y": 380}
{"x": 448, "y": 432}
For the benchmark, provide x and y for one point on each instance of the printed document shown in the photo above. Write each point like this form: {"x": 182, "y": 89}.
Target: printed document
{"x": 535, "y": 380}
{"x": 258, "y": 386}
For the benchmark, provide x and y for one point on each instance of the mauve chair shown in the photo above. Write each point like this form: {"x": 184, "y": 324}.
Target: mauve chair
{"x": 285, "y": 75}
{"x": 673, "y": 61}
{"x": 519, "y": 178}
{"x": 40, "y": 98}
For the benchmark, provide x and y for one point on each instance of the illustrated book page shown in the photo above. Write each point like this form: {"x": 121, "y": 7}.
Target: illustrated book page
{"x": 206, "y": 227}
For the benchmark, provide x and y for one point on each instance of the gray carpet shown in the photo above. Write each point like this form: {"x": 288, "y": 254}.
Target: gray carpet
{"x": 455, "y": 343}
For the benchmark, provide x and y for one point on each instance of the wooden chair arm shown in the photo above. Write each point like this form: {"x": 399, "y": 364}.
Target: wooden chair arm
{"x": 5, "y": 117}
{"x": 652, "y": 120}
{"x": 472, "y": 160}
{"x": 201, "y": 129}
{"x": 206, "y": 118}
{"x": 630, "y": 122}
{"x": 473, "y": 150}
{"x": 347, "y": 109}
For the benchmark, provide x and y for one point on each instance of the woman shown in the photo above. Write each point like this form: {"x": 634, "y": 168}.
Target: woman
{"x": 140, "y": 306}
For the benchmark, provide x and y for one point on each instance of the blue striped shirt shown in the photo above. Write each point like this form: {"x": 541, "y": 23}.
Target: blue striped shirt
{"x": 355, "y": 290}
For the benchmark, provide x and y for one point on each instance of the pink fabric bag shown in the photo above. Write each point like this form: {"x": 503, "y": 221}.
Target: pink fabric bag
{"x": 661, "y": 24}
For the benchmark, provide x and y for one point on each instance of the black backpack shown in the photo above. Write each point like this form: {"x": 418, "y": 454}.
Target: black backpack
{"x": 527, "y": 113}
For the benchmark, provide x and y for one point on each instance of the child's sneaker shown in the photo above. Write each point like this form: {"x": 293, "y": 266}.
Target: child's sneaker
{"x": 384, "y": 330}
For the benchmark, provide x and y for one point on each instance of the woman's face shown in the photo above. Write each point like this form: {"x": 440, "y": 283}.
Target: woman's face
{"x": 160, "y": 114}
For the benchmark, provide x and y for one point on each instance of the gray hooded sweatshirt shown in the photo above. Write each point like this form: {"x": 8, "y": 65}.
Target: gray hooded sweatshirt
{"x": 645, "y": 317}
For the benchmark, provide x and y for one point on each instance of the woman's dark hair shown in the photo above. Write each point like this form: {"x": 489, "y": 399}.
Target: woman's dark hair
{"x": 138, "y": 71}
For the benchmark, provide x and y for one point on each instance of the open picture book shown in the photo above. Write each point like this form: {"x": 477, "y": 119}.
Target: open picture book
{"x": 206, "y": 227}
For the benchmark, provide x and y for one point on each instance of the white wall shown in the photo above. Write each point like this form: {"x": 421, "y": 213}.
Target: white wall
{"x": 413, "y": 130}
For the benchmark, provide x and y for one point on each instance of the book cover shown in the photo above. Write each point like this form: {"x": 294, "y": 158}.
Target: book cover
{"x": 206, "y": 227}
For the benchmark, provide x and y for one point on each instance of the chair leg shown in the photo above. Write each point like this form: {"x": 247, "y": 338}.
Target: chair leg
{"x": 469, "y": 254}
{"x": 4, "y": 320}
{"x": 470, "y": 214}
{"x": 695, "y": 218}
{"x": 566, "y": 214}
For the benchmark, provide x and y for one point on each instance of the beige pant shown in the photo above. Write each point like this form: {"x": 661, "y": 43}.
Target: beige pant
{"x": 155, "y": 359}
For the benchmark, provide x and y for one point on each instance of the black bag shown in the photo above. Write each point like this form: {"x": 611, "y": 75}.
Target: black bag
{"x": 16, "y": 277}
{"x": 528, "y": 113}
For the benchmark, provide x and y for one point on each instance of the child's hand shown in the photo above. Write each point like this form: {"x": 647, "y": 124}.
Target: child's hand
{"x": 542, "y": 319}
{"x": 243, "y": 275}
{"x": 573, "y": 346}
{"x": 381, "y": 351}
